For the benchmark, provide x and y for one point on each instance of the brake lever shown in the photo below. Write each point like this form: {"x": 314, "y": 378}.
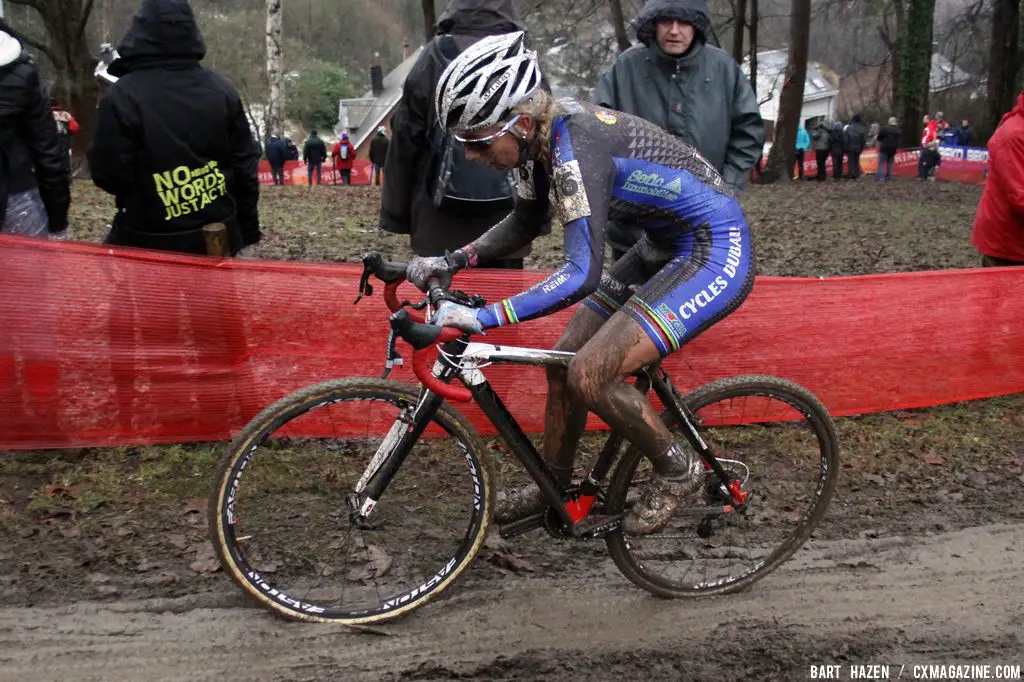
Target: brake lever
{"x": 364, "y": 282}
{"x": 393, "y": 358}
{"x": 415, "y": 306}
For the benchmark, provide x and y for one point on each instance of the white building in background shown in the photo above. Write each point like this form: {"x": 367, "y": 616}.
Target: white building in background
{"x": 820, "y": 94}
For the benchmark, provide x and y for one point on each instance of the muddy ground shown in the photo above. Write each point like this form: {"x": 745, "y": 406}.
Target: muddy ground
{"x": 105, "y": 573}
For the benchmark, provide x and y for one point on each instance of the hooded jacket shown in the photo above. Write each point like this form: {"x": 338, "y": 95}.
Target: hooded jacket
{"x": 30, "y": 151}
{"x": 172, "y": 141}
{"x": 701, "y": 97}
{"x": 314, "y": 150}
{"x": 350, "y": 154}
{"x": 379, "y": 149}
{"x": 803, "y": 139}
{"x": 889, "y": 140}
{"x": 856, "y": 136}
{"x": 999, "y": 223}
{"x": 820, "y": 137}
{"x": 406, "y": 206}
{"x": 276, "y": 151}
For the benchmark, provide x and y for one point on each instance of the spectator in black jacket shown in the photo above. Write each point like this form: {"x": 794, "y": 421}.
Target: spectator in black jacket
{"x": 888, "y": 143}
{"x": 964, "y": 136}
{"x": 314, "y": 153}
{"x": 836, "y": 148}
{"x": 34, "y": 189}
{"x": 407, "y": 206}
{"x": 856, "y": 137}
{"x": 277, "y": 152}
{"x": 172, "y": 141}
{"x": 379, "y": 152}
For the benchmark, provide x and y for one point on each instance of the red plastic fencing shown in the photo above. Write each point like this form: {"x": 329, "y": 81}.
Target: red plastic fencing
{"x": 905, "y": 165}
{"x": 295, "y": 173}
{"x": 104, "y": 347}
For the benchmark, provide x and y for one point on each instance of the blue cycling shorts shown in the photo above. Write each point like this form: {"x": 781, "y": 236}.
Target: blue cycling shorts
{"x": 676, "y": 290}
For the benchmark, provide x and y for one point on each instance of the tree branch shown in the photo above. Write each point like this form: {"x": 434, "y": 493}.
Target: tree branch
{"x": 34, "y": 4}
{"x": 84, "y": 21}
{"x": 32, "y": 42}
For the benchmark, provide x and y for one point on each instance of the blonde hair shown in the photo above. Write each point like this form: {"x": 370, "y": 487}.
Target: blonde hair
{"x": 542, "y": 110}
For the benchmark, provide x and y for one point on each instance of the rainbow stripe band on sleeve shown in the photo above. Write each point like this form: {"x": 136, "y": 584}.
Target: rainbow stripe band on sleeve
{"x": 504, "y": 313}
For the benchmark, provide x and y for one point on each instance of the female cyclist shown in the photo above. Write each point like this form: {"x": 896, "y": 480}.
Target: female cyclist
{"x": 694, "y": 265}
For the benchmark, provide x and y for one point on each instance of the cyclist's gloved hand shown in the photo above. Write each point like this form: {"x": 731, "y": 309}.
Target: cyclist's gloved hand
{"x": 459, "y": 316}
{"x": 422, "y": 268}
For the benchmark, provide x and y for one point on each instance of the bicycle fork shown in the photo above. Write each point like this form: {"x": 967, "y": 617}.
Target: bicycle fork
{"x": 390, "y": 456}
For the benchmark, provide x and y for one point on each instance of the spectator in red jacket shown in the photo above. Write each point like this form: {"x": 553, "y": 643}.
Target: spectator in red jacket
{"x": 999, "y": 223}
{"x": 344, "y": 155}
{"x": 929, "y": 158}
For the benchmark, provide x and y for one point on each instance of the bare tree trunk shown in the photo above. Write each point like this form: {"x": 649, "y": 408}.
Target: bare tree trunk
{"x": 893, "y": 42}
{"x": 739, "y": 27}
{"x": 915, "y": 68}
{"x": 791, "y": 101}
{"x": 619, "y": 24}
{"x": 429, "y": 19}
{"x": 275, "y": 72}
{"x": 1004, "y": 60}
{"x": 753, "y": 45}
{"x": 67, "y": 48}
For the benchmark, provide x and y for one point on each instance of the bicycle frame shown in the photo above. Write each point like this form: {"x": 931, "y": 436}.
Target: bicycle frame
{"x": 465, "y": 361}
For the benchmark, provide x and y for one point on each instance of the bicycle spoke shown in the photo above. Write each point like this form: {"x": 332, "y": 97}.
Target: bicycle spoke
{"x": 772, "y": 449}
{"x": 289, "y": 495}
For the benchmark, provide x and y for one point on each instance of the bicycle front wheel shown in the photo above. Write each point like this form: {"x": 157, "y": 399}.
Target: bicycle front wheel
{"x": 281, "y": 518}
{"x": 778, "y": 442}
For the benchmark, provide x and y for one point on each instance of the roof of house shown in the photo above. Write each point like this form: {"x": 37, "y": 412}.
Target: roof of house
{"x": 771, "y": 67}
{"x": 872, "y": 85}
{"x": 945, "y": 74}
{"x": 367, "y": 112}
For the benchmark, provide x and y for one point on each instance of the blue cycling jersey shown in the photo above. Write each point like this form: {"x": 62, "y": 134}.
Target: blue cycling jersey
{"x": 606, "y": 165}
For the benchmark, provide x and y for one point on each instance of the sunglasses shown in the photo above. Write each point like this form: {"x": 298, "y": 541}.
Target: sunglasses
{"x": 484, "y": 142}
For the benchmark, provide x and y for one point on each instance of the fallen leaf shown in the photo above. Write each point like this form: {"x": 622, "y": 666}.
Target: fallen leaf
{"x": 177, "y": 540}
{"x": 934, "y": 460}
{"x": 494, "y": 541}
{"x": 205, "y": 560}
{"x": 376, "y": 564}
{"x": 511, "y": 562}
{"x": 55, "y": 490}
{"x": 195, "y": 505}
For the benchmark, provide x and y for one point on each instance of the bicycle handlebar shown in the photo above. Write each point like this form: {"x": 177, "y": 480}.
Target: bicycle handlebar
{"x": 411, "y": 327}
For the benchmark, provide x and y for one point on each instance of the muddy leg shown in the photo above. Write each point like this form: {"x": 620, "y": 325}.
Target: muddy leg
{"x": 565, "y": 417}
{"x": 596, "y": 377}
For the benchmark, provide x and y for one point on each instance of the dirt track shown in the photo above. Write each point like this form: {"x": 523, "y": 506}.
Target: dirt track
{"x": 946, "y": 598}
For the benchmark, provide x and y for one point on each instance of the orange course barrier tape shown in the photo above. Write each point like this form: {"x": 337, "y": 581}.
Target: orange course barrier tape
{"x": 107, "y": 347}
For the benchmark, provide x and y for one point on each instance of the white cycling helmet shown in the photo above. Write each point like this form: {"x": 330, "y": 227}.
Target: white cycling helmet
{"x": 486, "y": 81}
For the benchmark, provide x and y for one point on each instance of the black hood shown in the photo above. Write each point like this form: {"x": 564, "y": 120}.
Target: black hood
{"x": 693, "y": 12}
{"x": 161, "y": 31}
{"x": 479, "y": 17}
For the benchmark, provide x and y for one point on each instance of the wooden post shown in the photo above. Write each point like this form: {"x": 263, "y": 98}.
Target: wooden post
{"x": 216, "y": 236}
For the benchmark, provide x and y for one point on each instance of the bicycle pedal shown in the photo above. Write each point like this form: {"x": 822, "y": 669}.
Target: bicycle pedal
{"x": 521, "y": 526}
{"x": 596, "y": 525}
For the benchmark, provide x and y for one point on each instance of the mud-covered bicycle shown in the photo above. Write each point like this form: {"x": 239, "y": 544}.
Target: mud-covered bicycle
{"x": 358, "y": 500}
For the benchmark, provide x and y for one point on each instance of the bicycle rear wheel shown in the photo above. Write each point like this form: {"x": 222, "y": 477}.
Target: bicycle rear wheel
{"x": 779, "y": 441}
{"x": 280, "y": 512}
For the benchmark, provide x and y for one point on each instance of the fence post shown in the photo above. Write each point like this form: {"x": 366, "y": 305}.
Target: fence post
{"x": 216, "y": 237}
